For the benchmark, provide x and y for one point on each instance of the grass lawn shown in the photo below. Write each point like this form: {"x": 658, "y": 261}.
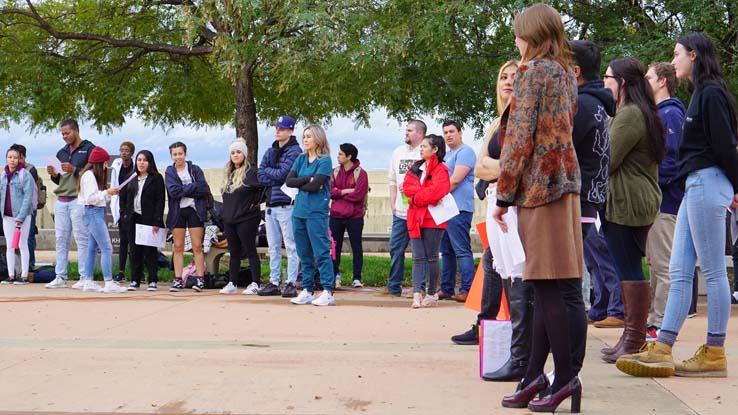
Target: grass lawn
{"x": 374, "y": 272}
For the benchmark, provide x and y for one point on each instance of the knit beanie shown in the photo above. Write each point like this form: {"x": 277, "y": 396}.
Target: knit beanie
{"x": 239, "y": 144}
{"x": 98, "y": 155}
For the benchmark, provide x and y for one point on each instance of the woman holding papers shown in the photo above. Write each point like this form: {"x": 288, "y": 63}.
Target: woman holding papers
{"x": 93, "y": 196}
{"x": 241, "y": 213}
{"x": 633, "y": 195}
{"x": 311, "y": 174}
{"x": 426, "y": 183}
{"x": 188, "y": 194}
{"x": 708, "y": 168}
{"x": 16, "y": 202}
{"x": 143, "y": 199}
{"x": 539, "y": 175}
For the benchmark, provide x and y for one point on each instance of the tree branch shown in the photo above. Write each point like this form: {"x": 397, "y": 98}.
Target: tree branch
{"x": 33, "y": 14}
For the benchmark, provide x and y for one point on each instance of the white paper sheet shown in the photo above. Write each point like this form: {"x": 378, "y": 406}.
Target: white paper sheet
{"x": 734, "y": 225}
{"x": 128, "y": 180}
{"x": 507, "y": 248}
{"x": 444, "y": 210}
{"x": 494, "y": 345}
{"x": 145, "y": 236}
{"x": 289, "y": 191}
{"x": 55, "y": 163}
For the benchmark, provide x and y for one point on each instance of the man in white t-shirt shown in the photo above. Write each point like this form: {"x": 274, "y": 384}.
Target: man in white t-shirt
{"x": 403, "y": 158}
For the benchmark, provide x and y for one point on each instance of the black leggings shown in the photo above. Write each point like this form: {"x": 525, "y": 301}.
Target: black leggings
{"x": 551, "y": 330}
{"x": 123, "y": 247}
{"x": 142, "y": 255}
{"x": 242, "y": 243}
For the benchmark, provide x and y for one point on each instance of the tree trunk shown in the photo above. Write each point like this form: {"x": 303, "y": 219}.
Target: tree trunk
{"x": 246, "y": 126}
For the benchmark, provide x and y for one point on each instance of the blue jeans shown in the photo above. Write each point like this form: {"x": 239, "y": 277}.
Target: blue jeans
{"x": 67, "y": 221}
{"x": 627, "y": 246}
{"x": 699, "y": 236}
{"x": 278, "y": 227}
{"x": 607, "y": 300}
{"x": 314, "y": 249}
{"x": 456, "y": 248}
{"x": 399, "y": 239}
{"x": 99, "y": 237}
{"x": 355, "y": 228}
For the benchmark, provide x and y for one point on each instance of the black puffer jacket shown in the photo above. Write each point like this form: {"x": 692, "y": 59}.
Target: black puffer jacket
{"x": 244, "y": 202}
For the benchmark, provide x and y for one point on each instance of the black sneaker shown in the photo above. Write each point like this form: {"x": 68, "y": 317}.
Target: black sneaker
{"x": 177, "y": 286}
{"x": 268, "y": 290}
{"x": 289, "y": 291}
{"x": 199, "y": 285}
{"x": 121, "y": 276}
{"x": 468, "y": 338}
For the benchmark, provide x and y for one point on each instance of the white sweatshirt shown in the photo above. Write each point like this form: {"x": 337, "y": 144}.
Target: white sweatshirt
{"x": 402, "y": 159}
{"x": 89, "y": 194}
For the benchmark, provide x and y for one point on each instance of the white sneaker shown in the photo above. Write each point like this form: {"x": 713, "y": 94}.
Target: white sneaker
{"x": 57, "y": 283}
{"x": 229, "y": 289}
{"x": 112, "y": 287}
{"x": 429, "y": 300}
{"x": 417, "y": 299}
{"x": 92, "y": 286}
{"x": 152, "y": 287}
{"x": 303, "y": 298}
{"x": 79, "y": 284}
{"x": 252, "y": 289}
{"x": 357, "y": 284}
{"x": 7, "y": 282}
{"x": 325, "y": 299}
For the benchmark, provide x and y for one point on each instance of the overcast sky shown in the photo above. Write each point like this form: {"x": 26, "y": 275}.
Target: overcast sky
{"x": 208, "y": 147}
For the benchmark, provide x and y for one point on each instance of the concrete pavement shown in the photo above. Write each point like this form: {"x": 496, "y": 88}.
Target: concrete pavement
{"x": 65, "y": 351}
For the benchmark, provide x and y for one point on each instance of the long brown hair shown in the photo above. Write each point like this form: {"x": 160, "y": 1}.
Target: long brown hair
{"x": 540, "y": 25}
{"x": 98, "y": 169}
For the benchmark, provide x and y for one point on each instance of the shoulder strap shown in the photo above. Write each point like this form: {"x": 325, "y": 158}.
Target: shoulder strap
{"x": 335, "y": 172}
{"x": 357, "y": 171}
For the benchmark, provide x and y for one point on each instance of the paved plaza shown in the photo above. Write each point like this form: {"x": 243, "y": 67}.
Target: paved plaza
{"x": 64, "y": 351}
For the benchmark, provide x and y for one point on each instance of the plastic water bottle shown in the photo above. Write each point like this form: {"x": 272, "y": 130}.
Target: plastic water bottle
{"x": 16, "y": 237}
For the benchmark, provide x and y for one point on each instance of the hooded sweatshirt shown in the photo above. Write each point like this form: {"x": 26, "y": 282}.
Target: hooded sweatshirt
{"x": 671, "y": 111}
{"x": 274, "y": 168}
{"x": 351, "y": 205}
{"x": 595, "y": 105}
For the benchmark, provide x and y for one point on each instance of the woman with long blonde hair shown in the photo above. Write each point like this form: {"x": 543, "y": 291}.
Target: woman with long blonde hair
{"x": 311, "y": 175}
{"x": 242, "y": 194}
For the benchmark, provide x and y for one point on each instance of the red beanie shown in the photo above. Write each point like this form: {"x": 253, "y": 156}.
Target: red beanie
{"x": 98, "y": 155}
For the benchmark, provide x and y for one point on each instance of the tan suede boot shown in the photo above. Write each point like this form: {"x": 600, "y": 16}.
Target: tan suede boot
{"x": 653, "y": 361}
{"x": 707, "y": 362}
{"x": 609, "y": 323}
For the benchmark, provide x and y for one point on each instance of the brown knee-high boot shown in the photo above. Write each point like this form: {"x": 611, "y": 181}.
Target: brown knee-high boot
{"x": 611, "y": 350}
{"x": 637, "y": 303}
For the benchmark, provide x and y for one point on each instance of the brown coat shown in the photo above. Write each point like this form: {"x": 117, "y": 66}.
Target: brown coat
{"x": 538, "y": 163}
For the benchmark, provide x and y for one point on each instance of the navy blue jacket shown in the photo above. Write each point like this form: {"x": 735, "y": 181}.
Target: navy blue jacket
{"x": 671, "y": 112}
{"x": 591, "y": 137}
{"x": 274, "y": 168}
{"x": 197, "y": 190}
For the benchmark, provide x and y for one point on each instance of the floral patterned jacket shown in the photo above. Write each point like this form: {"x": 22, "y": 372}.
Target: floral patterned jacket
{"x": 538, "y": 162}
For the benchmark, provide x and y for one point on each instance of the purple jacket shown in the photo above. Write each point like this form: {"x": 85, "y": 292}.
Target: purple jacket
{"x": 197, "y": 190}
{"x": 350, "y": 205}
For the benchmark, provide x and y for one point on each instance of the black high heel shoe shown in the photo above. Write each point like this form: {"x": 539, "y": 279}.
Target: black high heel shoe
{"x": 549, "y": 403}
{"x": 523, "y": 396}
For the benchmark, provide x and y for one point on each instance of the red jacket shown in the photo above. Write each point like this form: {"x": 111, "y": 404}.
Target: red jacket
{"x": 429, "y": 193}
{"x": 350, "y": 205}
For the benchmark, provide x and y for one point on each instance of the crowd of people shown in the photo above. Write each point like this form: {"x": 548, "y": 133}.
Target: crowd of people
{"x": 597, "y": 172}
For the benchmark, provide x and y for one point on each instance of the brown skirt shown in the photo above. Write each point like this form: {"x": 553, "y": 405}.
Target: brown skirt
{"x": 552, "y": 238}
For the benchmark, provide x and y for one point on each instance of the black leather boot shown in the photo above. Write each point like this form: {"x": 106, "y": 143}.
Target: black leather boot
{"x": 511, "y": 371}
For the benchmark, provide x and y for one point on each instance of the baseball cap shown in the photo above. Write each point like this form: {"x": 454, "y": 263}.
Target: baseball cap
{"x": 285, "y": 121}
